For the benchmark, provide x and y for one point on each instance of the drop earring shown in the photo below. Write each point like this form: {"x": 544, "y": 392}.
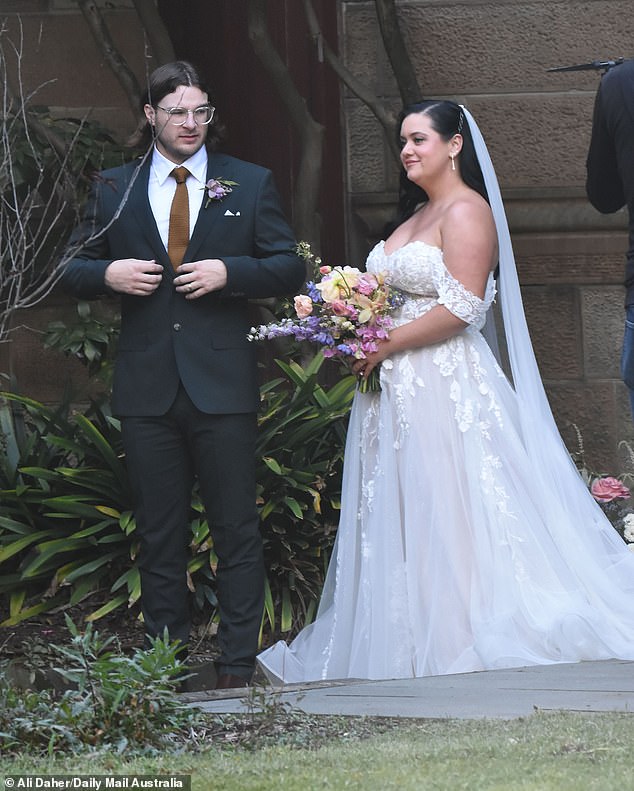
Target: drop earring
{"x": 453, "y": 161}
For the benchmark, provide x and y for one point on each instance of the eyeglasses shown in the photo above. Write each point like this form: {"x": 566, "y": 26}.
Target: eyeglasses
{"x": 179, "y": 115}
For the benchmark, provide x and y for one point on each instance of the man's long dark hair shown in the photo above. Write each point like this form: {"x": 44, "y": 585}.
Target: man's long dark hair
{"x": 165, "y": 80}
{"x": 447, "y": 119}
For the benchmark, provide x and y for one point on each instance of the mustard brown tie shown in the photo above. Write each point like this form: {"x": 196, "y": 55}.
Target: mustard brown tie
{"x": 178, "y": 234}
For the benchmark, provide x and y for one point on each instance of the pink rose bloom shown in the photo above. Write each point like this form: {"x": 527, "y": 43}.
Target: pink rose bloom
{"x": 604, "y": 490}
{"x": 341, "y": 308}
{"x": 367, "y": 284}
{"x": 303, "y": 305}
{"x": 324, "y": 270}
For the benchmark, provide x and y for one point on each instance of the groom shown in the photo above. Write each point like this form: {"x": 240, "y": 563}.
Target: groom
{"x": 184, "y": 261}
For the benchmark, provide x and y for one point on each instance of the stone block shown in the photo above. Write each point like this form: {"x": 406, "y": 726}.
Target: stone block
{"x": 587, "y": 411}
{"x": 71, "y": 5}
{"x": 516, "y": 128}
{"x": 602, "y": 331}
{"x": 624, "y": 429}
{"x": 362, "y": 48}
{"x": 23, "y": 6}
{"x": 554, "y": 322}
{"x": 44, "y": 374}
{"x": 370, "y": 167}
{"x": 578, "y": 258}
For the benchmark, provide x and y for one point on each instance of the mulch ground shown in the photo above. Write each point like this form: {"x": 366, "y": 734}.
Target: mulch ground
{"x": 29, "y": 642}
{"x": 123, "y": 624}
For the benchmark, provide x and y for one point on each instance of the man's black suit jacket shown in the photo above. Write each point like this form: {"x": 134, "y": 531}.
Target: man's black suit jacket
{"x": 165, "y": 338}
{"x": 610, "y": 163}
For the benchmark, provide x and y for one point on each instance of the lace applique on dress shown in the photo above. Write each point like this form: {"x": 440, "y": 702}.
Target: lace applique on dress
{"x": 368, "y": 448}
{"x": 468, "y": 307}
{"x": 452, "y": 356}
{"x": 404, "y": 388}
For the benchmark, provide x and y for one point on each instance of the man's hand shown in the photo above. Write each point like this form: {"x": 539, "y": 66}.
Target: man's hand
{"x": 200, "y": 277}
{"x": 133, "y": 276}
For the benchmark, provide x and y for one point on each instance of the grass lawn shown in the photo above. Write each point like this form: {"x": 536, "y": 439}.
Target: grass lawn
{"x": 562, "y": 752}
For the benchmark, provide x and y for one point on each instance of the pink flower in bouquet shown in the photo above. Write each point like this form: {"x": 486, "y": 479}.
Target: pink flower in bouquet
{"x": 367, "y": 284}
{"x": 303, "y": 305}
{"x": 604, "y": 490}
{"x": 342, "y": 308}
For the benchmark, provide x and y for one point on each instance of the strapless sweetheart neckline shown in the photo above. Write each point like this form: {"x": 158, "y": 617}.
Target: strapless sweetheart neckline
{"x": 407, "y": 244}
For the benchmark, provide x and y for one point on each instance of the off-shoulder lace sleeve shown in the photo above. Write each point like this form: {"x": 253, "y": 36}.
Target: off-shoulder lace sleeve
{"x": 468, "y": 307}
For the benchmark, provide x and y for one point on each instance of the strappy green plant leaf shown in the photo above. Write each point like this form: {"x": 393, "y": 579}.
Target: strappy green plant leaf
{"x": 67, "y": 527}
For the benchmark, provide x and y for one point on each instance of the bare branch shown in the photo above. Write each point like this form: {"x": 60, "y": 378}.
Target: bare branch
{"x": 385, "y": 116}
{"x": 114, "y": 59}
{"x": 265, "y": 50}
{"x": 41, "y": 177}
{"x": 155, "y": 30}
{"x": 309, "y": 176}
{"x": 12, "y": 104}
{"x": 397, "y": 52}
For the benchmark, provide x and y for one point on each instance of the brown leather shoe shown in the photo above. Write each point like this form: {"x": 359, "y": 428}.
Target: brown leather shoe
{"x": 229, "y": 681}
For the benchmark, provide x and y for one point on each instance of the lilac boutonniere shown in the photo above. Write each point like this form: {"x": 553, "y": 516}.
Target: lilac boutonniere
{"x": 217, "y": 189}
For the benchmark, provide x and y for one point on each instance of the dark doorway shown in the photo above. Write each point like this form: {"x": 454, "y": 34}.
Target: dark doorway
{"x": 214, "y": 36}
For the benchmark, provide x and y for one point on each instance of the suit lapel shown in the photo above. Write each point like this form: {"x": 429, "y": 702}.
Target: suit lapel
{"x": 140, "y": 206}
{"x": 208, "y": 217}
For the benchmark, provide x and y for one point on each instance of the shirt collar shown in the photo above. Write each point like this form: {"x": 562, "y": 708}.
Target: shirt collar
{"x": 196, "y": 164}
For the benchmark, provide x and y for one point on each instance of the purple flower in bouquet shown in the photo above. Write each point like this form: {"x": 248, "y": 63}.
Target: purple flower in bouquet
{"x": 345, "y": 311}
{"x": 217, "y": 189}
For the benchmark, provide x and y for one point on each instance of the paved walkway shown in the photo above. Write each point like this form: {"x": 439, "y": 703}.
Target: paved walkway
{"x": 500, "y": 694}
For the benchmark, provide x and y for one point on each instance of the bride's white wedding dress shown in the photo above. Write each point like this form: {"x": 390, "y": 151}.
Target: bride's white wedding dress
{"x": 454, "y": 553}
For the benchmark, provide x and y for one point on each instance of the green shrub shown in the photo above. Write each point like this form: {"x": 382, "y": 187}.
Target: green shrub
{"x": 90, "y": 339}
{"x": 125, "y": 703}
{"x": 66, "y": 523}
{"x": 67, "y": 528}
{"x": 300, "y": 454}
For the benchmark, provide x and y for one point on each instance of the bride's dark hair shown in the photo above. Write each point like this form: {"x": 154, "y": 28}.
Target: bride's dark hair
{"x": 448, "y": 120}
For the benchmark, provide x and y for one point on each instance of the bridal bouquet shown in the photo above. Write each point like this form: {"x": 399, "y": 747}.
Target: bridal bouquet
{"x": 345, "y": 312}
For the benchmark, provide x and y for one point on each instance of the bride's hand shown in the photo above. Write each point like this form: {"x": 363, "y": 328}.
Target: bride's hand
{"x": 363, "y": 368}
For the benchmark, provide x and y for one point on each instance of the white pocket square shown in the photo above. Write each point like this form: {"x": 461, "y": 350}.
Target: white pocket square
{"x": 229, "y": 213}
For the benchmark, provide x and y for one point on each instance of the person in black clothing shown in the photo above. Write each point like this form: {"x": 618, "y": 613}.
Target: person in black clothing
{"x": 610, "y": 179}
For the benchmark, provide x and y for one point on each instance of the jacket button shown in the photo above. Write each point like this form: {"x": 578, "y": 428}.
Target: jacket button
{"x": 177, "y": 327}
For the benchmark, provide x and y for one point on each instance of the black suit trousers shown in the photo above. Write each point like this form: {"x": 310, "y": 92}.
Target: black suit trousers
{"x": 164, "y": 455}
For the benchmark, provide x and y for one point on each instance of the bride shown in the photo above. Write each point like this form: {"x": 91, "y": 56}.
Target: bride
{"x": 467, "y": 539}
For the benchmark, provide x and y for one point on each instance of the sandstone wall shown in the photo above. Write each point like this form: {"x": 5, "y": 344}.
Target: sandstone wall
{"x": 493, "y": 57}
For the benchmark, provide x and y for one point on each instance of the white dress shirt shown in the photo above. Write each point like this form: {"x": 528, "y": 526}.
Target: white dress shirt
{"x": 161, "y": 188}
